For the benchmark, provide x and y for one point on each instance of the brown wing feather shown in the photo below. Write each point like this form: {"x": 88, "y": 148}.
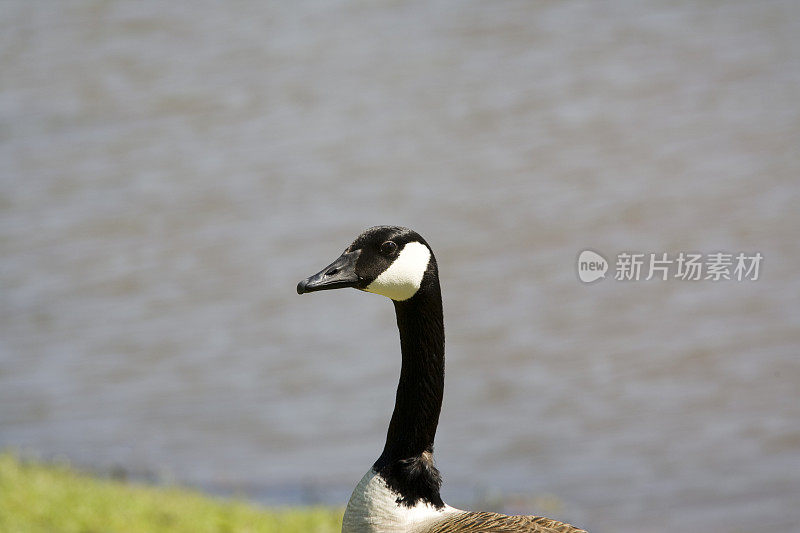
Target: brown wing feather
{"x": 483, "y": 522}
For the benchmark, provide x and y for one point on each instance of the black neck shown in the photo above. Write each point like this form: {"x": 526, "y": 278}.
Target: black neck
{"x": 406, "y": 462}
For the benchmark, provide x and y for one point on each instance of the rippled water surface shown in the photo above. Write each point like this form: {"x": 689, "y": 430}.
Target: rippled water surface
{"x": 169, "y": 171}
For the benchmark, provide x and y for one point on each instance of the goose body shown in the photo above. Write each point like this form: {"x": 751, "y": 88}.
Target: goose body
{"x": 400, "y": 493}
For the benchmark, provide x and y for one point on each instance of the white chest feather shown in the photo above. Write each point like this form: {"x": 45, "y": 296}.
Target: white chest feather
{"x": 402, "y": 279}
{"x": 373, "y": 508}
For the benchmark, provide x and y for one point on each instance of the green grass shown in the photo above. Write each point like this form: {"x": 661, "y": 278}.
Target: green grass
{"x": 37, "y": 497}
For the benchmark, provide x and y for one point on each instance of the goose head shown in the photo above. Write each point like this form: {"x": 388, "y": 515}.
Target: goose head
{"x": 392, "y": 261}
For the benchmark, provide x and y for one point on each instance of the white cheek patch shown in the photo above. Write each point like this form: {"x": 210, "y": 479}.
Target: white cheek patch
{"x": 402, "y": 279}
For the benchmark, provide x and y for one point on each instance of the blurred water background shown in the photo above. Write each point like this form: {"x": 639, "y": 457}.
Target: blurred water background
{"x": 170, "y": 170}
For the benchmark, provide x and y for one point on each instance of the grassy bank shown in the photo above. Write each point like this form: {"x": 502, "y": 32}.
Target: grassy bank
{"x": 45, "y": 498}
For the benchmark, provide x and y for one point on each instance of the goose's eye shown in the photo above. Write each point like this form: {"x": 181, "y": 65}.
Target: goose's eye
{"x": 388, "y": 248}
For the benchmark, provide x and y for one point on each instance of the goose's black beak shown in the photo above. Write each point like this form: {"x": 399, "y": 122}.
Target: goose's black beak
{"x": 340, "y": 273}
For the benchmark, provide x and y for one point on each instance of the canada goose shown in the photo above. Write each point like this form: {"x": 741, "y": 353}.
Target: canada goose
{"x": 401, "y": 490}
